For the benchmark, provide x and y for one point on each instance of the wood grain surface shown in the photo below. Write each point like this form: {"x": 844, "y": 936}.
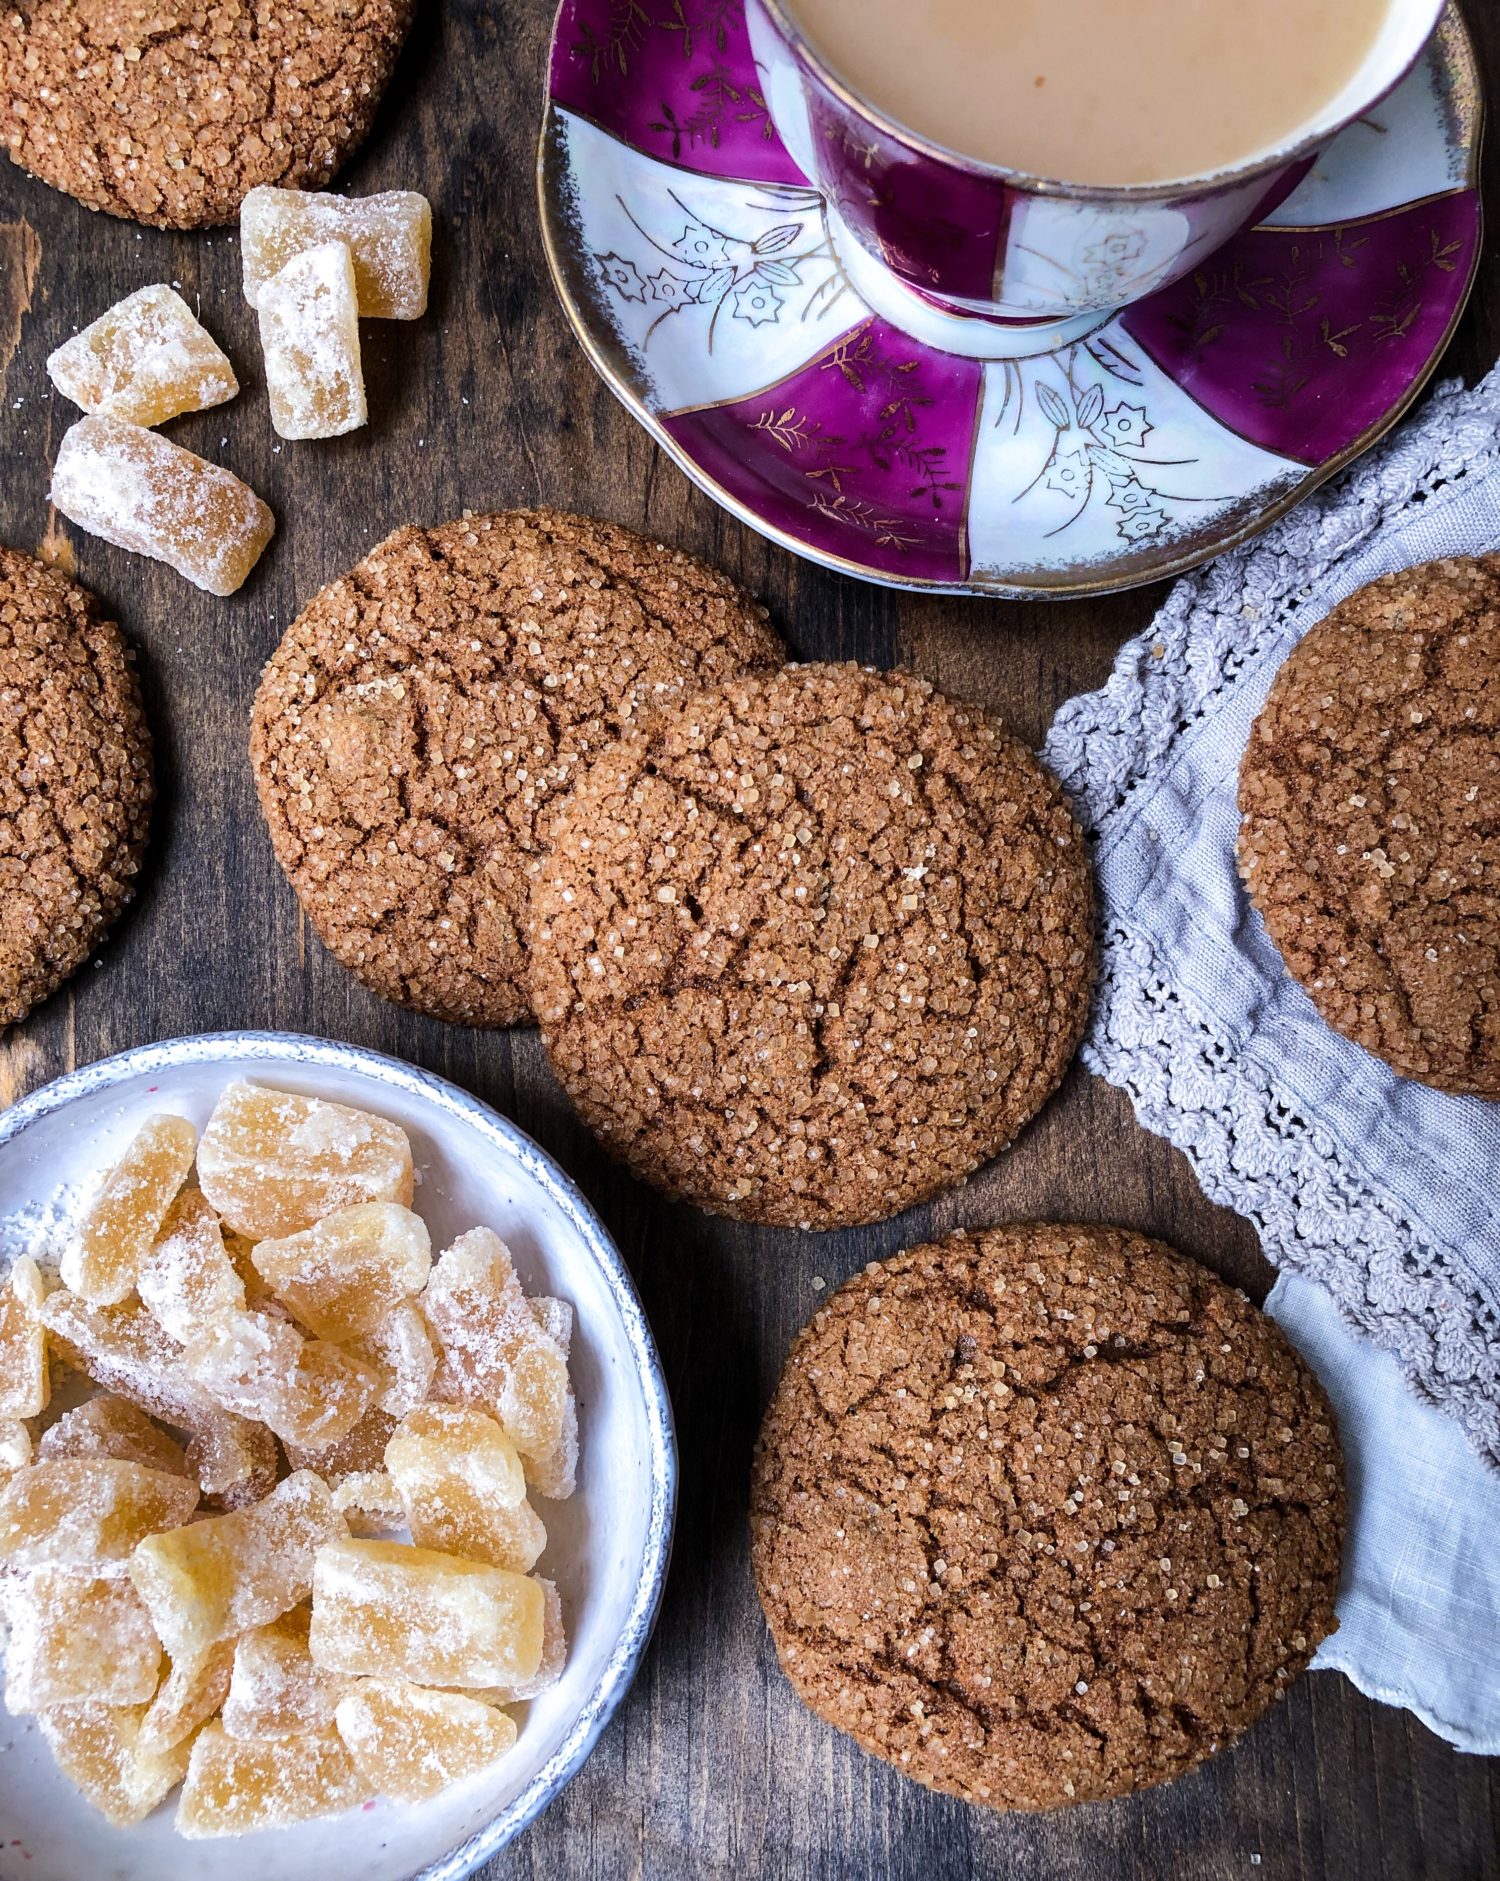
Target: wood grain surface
{"x": 711, "y": 1768}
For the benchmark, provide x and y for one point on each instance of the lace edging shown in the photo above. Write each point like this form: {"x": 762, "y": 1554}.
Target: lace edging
{"x": 1186, "y": 1079}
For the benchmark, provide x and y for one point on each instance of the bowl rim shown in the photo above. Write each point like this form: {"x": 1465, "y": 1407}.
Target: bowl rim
{"x": 251, "y": 1046}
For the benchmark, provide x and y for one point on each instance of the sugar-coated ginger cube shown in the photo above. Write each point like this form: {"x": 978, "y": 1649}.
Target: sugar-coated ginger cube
{"x": 308, "y": 1391}
{"x": 389, "y": 236}
{"x": 555, "y": 1317}
{"x": 554, "y": 1654}
{"x": 409, "y": 1743}
{"x": 186, "y": 1277}
{"x": 140, "y": 491}
{"x": 145, "y": 360}
{"x": 369, "y": 1502}
{"x": 236, "y": 1784}
{"x": 24, "y": 1386}
{"x": 309, "y": 337}
{"x": 402, "y": 1350}
{"x": 107, "y": 1426}
{"x": 383, "y": 1609}
{"x": 277, "y": 1689}
{"x": 273, "y": 1163}
{"x": 99, "y": 1748}
{"x": 86, "y": 1512}
{"x": 495, "y": 1355}
{"x": 191, "y": 1693}
{"x": 348, "y": 1272}
{"x": 462, "y": 1487}
{"x": 362, "y": 1449}
{"x": 78, "y": 1638}
{"x": 125, "y": 1217}
{"x": 123, "y": 1349}
{"x": 15, "y": 1447}
{"x": 221, "y": 1576}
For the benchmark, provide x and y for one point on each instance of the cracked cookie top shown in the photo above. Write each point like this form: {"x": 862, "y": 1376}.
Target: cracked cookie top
{"x": 168, "y": 115}
{"x": 813, "y": 944}
{"x": 1370, "y": 793}
{"x": 1045, "y": 1514}
{"x": 421, "y": 712}
{"x": 75, "y": 779}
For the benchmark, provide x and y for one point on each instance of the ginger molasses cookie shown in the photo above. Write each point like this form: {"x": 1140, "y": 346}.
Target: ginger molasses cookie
{"x": 423, "y": 711}
{"x": 75, "y": 779}
{"x": 169, "y": 115}
{"x": 1370, "y": 793}
{"x": 1045, "y": 1514}
{"x": 813, "y": 944}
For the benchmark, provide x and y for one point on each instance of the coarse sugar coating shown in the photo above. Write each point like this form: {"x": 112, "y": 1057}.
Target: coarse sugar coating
{"x": 1045, "y": 1514}
{"x": 75, "y": 780}
{"x": 309, "y": 341}
{"x": 812, "y": 945}
{"x": 389, "y": 235}
{"x": 422, "y": 712}
{"x": 77, "y": 1637}
{"x": 109, "y": 1427}
{"x": 146, "y": 359}
{"x": 1370, "y": 798}
{"x": 169, "y": 115}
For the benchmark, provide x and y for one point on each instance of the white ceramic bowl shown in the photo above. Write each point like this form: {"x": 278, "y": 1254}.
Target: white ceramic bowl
{"x": 608, "y": 1546}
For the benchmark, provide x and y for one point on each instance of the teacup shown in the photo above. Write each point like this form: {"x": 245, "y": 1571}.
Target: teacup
{"x": 992, "y": 263}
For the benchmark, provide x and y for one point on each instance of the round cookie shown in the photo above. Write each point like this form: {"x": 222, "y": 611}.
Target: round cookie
{"x": 1370, "y": 797}
{"x": 1045, "y": 1514}
{"x": 422, "y": 712}
{"x": 75, "y": 780}
{"x": 169, "y": 116}
{"x": 812, "y": 945}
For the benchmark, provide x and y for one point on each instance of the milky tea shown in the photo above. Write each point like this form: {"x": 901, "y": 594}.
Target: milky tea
{"x": 1098, "y": 91}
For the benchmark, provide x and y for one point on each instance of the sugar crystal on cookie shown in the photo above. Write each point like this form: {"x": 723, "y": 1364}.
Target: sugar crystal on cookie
{"x": 145, "y": 360}
{"x": 389, "y": 236}
{"x": 143, "y": 493}
{"x": 309, "y": 337}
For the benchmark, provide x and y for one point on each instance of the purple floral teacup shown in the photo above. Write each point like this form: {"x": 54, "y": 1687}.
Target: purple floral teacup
{"x": 993, "y": 263}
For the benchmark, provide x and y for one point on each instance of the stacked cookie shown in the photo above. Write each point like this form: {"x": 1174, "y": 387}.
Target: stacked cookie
{"x": 807, "y": 944}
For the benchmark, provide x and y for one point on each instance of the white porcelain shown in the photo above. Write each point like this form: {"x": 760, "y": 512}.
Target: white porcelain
{"x": 608, "y": 1545}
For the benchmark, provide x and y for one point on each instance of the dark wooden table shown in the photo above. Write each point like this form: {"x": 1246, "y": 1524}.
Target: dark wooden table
{"x": 711, "y": 1768}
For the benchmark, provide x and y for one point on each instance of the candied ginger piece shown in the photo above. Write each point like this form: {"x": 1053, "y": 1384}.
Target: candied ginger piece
{"x": 409, "y": 1743}
{"x": 370, "y": 1502}
{"x": 140, "y": 491}
{"x": 76, "y": 1638}
{"x": 191, "y": 1692}
{"x": 87, "y": 1511}
{"x": 554, "y": 1654}
{"x": 273, "y": 1163}
{"x": 389, "y": 236}
{"x": 126, "y": 1216}
{"x": 144, "y": 360}
{"x": 99, "y": 1748}
{"x": 276, "y": 1689}
{"x": 402, "y": 1350}
{"x": 362, "y": 1449}
{"x": 237, "y": 1784}
{"x": 106, "y": 1426}
{"x": 123, "y": 1349}
{"x": 24, "y": 1387}
{"x": 309, "y": 335}
{"x": 228, "y": 1573}
{"x": 348, "y": 1272}
{"x": 15, "y": 1446}
{"x": 308, "y": 1391}
{"x": 186, "y": 1278}
{"x": 462, "y": 1487}
{"x": 383, "y": 1608}
{"x": 495, "y": 1354}
{"x": 555, "y": 1317}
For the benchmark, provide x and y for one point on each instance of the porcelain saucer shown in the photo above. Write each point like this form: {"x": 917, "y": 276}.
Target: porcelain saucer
{"x": 707, "y": 283}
